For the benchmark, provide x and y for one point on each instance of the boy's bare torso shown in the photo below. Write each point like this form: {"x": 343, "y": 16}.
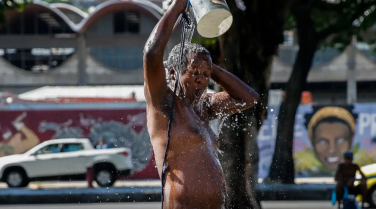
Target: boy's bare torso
{"x": 195, "y": 176}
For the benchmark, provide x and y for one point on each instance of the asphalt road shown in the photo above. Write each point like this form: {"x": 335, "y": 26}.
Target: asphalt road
{"x": 156, "y": 205}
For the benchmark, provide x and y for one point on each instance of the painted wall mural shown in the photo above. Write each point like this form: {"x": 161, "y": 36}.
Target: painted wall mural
{"x": 22, "y": 130}
{"x": 322, "y": 134}
{"x": 17, "y": 137}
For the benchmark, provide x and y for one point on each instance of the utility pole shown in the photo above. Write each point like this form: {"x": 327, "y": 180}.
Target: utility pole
{"x": 351, "y": 76}
{"x": 81, "y": 56}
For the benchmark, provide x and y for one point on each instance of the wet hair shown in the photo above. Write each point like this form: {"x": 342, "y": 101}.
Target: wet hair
{"x": 173, "y": 58}
{"x": 333, "y": 120}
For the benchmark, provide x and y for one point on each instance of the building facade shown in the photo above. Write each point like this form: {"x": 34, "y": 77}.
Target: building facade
{"x": 58, "y": 44}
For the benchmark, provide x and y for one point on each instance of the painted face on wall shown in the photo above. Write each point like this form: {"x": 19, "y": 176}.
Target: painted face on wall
{"x": 331, "y": 130}
{"x": 331, "y": 140}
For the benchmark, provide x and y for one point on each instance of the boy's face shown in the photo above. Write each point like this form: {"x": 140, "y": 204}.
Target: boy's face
{"x": 195, "y": 78}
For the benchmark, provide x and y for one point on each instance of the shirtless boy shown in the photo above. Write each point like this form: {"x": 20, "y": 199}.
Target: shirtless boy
{"x": 194, "y": 178}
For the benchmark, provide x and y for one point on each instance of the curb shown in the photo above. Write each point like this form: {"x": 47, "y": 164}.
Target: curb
{"x": 44, "y": 196}
{"x": 299, "y": 192}
{"x": 151, "y": 194}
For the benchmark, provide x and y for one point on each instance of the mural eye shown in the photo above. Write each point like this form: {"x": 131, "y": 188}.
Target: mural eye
{"x": 340, "y": 140}
{"x": 322, "y": 142}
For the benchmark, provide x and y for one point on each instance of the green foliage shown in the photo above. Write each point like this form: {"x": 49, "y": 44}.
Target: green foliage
{"x": 206, "y": 42}
{"x": 355, "y": 148}
{"x": 8, "y": 5}
{"x": 290, "y": 22}
{"x": 17, "y": 5}
{"x": 210, "y": 44}
{"x": 336, "y": 23}
{"x": 350, "y": 18}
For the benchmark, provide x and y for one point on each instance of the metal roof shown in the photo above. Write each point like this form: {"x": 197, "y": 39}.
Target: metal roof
{"x": 57, "y": 92}
{"x": 335, "y": 70}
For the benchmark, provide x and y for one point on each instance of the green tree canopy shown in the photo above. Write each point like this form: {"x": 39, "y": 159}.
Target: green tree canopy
{"x": 6, "y": 5}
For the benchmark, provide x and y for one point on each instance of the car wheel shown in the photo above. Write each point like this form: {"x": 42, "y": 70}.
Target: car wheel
{"x": 372, "y": 197}
{"x": 105, "y": 177}
{"x": 16, "y": 178}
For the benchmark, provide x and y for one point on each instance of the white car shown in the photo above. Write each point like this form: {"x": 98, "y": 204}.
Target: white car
{"x": 65, "y": 159}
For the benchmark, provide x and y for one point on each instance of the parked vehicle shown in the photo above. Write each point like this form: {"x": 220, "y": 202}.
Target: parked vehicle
{"x": 370, "y": 172}
{"x": 65, "y": 159}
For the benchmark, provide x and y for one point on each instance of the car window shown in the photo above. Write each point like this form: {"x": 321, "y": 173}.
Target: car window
{"x": 52, "y": 148}
{"x": 72, "y": 147}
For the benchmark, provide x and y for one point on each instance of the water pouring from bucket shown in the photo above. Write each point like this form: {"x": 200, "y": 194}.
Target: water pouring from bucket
{"x": 213, "y": 17}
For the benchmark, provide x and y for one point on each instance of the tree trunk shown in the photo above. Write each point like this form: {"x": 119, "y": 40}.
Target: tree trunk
{"x": 233, "y": 141}
{"x": 233, "y": 160}
{"x": 282, "y": 166}
{"x": 247, "y": 50}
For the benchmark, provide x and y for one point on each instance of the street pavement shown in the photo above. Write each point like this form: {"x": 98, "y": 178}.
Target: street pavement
{"x": 156, "y": 205}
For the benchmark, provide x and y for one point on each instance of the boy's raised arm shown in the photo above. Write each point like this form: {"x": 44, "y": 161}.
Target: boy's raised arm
{"x": 154, "y": 73}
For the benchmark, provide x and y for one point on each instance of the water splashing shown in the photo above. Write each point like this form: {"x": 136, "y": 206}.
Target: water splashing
{"x": 186, "y": 37}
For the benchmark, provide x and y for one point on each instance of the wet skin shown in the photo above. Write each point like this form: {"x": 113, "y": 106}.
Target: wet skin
{"x": 194, "y": 178}
{"x": 331, "y": 141}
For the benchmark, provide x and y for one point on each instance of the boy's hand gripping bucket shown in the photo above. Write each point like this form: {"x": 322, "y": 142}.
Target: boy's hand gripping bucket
{"x": 213, "y": 17}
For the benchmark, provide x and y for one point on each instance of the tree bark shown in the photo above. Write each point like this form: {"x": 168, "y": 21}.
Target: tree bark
{"x": 282, "y": 166}
{"x": 233, "y": 160}
{"x": 247, "y": 50}
{"x": 233, "y": 141}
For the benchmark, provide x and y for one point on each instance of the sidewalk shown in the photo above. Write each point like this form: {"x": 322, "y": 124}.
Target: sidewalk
{"x": 140, "y": 183}
{"x": 83, "y": 184}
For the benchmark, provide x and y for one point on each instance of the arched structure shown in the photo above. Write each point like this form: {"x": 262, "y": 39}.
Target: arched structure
{"x": 73, "y": 13}
{"x": 39, "y": 19}
{"x": 130, "y": 21}
{"x": 105, "y": 8}
{"x": 67, "y": 46}
{"x": 27, "y": 21}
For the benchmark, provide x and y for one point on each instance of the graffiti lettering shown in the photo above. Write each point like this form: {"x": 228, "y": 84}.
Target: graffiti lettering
{"x": 367, "y": 121}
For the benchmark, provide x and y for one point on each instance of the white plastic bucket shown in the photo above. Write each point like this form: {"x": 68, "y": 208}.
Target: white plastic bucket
{"x": 213, "y": 17}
